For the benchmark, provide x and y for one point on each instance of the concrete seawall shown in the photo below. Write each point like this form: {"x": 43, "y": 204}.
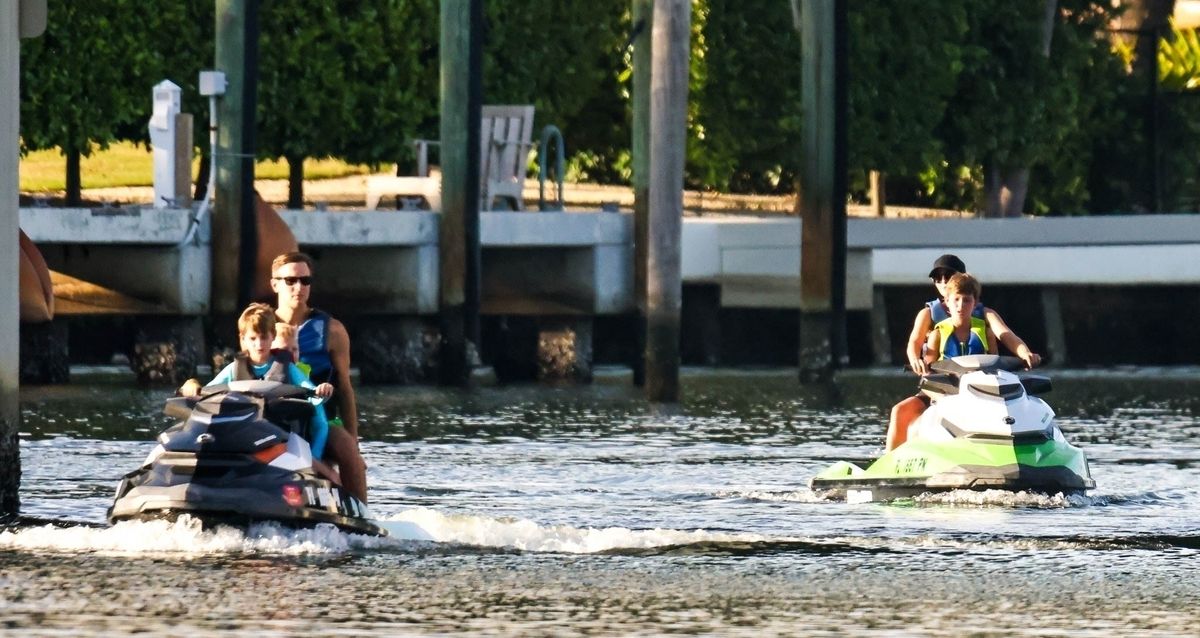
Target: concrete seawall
{"x": 1088, "y": 291}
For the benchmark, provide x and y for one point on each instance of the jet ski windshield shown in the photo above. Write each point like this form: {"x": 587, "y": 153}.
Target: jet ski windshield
{"x": 990, "y": 363}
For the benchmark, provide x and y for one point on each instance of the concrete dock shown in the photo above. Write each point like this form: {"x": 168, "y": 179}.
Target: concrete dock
{"x": 576, "y": 267}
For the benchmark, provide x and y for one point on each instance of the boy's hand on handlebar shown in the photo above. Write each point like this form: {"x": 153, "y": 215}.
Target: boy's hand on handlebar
{"x": 918, "y": 365}
{"x": 190, "y": 388}
{"x": 325, "y": 390}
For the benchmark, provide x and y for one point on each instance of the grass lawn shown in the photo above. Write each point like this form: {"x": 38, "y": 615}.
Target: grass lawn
{"x": 124, "y": 164}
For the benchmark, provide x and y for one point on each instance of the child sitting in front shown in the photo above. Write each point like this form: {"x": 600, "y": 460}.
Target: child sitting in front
{"x": 962, "y": 332}
{"x": 257, "y": 360}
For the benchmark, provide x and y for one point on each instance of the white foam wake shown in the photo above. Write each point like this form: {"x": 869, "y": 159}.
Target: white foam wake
{"x": 1009, "y": 499}
{"x": 802, "y": 495}
{"x": 184, "y": 536}
{"x": 526, "y": 535}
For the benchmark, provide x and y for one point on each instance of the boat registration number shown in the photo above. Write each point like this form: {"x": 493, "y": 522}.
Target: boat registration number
{"x": 329, "y": 499}
{"x": 910, "y": 465}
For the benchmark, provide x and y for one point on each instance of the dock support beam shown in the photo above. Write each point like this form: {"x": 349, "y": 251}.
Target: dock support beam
{"x": 643, "y": 13}
{"x": 822, "y": 199}
{"x": 166, "y": 350}
{"x": 10, "y": 295}
{"x": 395, "y": 350}
{"x": 1056, "y": 334}
{"x": 881, "y": 341}
{"x": 234, "y": 236}
{"x": 564, "y": 349}
{"x": 458, "y": 236}
{"x": 44, "y": 352}
{"x": 671, "y": 32}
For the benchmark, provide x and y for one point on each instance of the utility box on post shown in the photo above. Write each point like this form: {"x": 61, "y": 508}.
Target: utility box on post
{"x": 171, "y": 138}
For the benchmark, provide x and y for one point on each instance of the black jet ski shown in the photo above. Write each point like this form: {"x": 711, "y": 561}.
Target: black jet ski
{"x": 239, "y": 455}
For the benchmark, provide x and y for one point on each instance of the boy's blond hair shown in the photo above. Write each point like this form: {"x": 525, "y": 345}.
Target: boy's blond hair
{"x": 285, "y": 332}
{"x": 258, "y": 317}
{"x": 964, "y": 284}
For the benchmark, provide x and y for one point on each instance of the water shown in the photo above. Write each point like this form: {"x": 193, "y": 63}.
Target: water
{"x": 586, "y": 511}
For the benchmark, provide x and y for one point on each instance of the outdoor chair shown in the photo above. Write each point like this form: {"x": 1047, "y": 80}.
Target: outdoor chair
{"x": 506, "y": 140}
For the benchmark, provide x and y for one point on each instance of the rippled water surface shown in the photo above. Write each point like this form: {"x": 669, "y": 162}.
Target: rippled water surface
{"x": 535, "y": 510}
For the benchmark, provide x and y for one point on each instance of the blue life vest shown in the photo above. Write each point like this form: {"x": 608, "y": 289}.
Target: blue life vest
{"x": 976, "y": 343}
{"x": 313, "y": 339}
{"x": 938, "y": 312}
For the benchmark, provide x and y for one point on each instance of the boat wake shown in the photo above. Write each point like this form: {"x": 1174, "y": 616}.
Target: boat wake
{"x": 801, "y": 495}
{"x": 421, "y": 526}
{"x": 186, "y": 536}
{"x": 529, "y": 536}
{"x": 1004, "y": 498}
{"x": 423, "y": 529}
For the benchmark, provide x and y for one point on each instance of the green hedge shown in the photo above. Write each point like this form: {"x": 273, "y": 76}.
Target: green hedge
{"x": 939, "y": 90}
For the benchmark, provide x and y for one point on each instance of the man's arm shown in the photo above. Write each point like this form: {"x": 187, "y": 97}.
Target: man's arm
{"x": 339, "y": 354}
{"x": 993, "y": 344}
{"x": 1006, "y": 336}
{"x": 916, "y": 339}
{"x": 933, "y": 346}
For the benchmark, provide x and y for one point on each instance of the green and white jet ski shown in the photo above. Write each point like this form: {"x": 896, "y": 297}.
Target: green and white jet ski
{"x": 985, "y": 430}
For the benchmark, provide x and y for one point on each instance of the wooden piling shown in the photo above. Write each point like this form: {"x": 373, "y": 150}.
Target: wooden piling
{"x": 671, "y": 31}
{"x": 643, "y": 14}
{"x": 881, "y": 338}
{"x": 10, "y": 107}
{"x": 823, "y": 189}
{"x": 458, "y": 236}
{"x": 878, "y": 193}
{"x": 234, "y": 240}
{"x": 1056, "y": 333}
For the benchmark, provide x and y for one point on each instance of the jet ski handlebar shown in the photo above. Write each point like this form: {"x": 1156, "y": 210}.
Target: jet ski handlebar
{"x": 181, "y": 407}
{"x": 984, "y": 362}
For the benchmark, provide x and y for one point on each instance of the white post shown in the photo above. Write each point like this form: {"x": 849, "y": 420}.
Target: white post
{"x": 162, "y": 139}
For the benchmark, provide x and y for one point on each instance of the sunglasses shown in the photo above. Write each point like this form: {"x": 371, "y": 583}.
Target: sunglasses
{"x": 292, "y": 281}
{"x": 942, "y": 277}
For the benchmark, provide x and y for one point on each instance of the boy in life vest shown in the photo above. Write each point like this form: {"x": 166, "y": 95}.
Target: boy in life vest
{"x": 286, "y": 347}
{"x": 962, "y": 332}
{"x": 989, "y": 331}
{"x": 257, "y": 360}
{"x": 287, "y": 339}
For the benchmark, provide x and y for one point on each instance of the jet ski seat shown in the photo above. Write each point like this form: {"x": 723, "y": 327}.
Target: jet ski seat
{"x": 291, "y": 414}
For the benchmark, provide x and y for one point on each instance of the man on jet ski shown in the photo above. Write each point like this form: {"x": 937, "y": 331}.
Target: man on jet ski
{"x": 944, "y": 269}
{"x": 325, "y": 346}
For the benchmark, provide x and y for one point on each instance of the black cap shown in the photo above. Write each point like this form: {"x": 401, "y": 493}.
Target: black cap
{"x": 948, "y": 262}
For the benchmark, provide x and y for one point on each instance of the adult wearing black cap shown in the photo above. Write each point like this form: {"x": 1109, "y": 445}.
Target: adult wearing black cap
{"x": 944, "y": 268}
{"x": 906, "y": 411}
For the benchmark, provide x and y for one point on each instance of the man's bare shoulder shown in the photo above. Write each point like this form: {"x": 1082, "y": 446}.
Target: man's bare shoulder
{"x": 337, "y": 333}
{"x": 990, "y": 312}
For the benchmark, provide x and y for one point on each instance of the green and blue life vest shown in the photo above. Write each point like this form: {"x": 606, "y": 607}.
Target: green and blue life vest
{"x": 976, "y": 343}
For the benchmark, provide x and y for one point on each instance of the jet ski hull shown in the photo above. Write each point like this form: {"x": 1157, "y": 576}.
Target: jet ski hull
{"x": 295, "y": 499}
{"x": 920, "y": 467}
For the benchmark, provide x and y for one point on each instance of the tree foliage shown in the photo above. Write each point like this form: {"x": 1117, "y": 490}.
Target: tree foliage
{"x": 563, "y": 57}
{"x": 939, "y": 90}
{"x": 906, "y": 57}
{"x": 87, "y": 80}
{"x": 746, "y": 99}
